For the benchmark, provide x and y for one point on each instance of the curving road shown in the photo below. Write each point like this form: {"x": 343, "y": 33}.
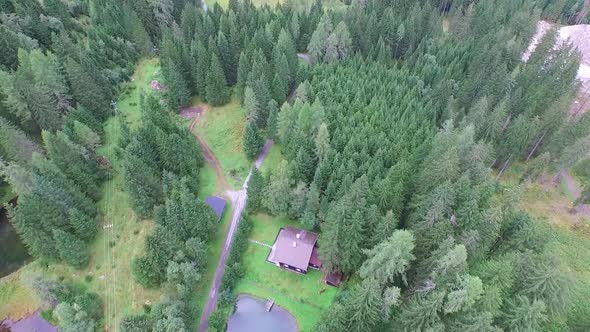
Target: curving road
{"x": 238, "y": 199}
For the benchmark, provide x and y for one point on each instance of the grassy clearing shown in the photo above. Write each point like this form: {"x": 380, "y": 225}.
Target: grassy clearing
{"x": 574, "y": 252}
{"x": 16, "y": 299}
{"x": 569, "y": 236}
{"x": 109, "y": 270}
{"x": 304, "y": 296}
{"x": 223, "y": 129}
{"x": 207, "y": 182}
{"x": 272, "y": 160}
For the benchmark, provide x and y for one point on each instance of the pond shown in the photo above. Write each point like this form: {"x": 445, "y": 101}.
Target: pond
{"x": 251, "y": 316}
{"x": 32, "y": 323}
{"x": 13, "y": 253}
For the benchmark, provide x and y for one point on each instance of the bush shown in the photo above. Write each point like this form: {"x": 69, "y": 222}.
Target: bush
{"x": 217, "y": 320}
{"x": 233, "y": 266}
{"x": 91, "y": 304}
{"x": 139, "y": 323}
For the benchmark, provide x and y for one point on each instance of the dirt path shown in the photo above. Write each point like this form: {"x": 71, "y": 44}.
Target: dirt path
{"x": 571, "y": 185}
{"x": 196, "y": 113}
{"x": 238, "y": 199}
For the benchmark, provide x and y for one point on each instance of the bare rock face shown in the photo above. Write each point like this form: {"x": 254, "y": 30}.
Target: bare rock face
{"x": 579, "y": 37}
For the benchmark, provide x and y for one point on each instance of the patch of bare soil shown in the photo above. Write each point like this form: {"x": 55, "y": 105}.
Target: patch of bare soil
{"x": 564, "y": 210}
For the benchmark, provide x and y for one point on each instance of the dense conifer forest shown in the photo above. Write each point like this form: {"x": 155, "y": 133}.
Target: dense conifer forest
{"x": 396, "y": 121}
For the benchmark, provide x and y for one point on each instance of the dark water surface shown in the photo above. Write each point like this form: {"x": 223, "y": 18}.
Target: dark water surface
{"x": 13, "y": 253}
{"x": 33, "y": 323}
{"x": 251, "y": 316}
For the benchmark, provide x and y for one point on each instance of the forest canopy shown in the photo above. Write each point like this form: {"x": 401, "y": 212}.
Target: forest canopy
{"x": 396, "y": 121}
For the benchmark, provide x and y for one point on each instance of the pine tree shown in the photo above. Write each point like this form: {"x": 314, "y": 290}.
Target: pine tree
{"x": 70, "y": 248}
{"x": 217, "y": 91}
{"x": 252, "y": 141}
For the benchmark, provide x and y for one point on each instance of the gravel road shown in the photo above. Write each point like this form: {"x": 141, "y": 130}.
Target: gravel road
{"x": 238, "y": 199}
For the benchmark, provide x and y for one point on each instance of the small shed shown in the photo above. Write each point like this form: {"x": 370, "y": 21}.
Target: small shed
{"x": 333, "y": 278}
{"x": 217, "y": 204}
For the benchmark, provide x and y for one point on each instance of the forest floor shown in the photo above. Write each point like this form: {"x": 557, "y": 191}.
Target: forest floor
{"x": 120, "y": 238}
{"x": 306, "y": 297}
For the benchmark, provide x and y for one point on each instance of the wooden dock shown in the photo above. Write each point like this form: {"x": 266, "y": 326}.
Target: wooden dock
{"x": 269, "y": 304}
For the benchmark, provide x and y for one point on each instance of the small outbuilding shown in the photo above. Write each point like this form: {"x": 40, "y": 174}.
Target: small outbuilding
{"x": 333, "y": 279}
{"x": 295, "y": 250}
{"x": 217, "y": 204}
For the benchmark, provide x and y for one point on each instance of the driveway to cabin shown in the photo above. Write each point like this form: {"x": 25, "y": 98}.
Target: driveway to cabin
{"x": 238, "y": 199}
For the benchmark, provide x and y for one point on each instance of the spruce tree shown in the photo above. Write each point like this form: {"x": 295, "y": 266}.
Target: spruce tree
{"x": 177, "y": 89}
{"x": 86, "y": 90}
{"x": 271, "y": 123}
{"x": 251, "y": 107}
{"x": 15, "y": 145}
{"x": 521, "y": 314}
{"x": 256, "y": 187}
{"x": 280, "y": 83}
{"x": 276, "y": 198}
{"x": 201, "y": 62}
{"x": 216, "y": 90}
{"x": 71, "y": 250}
{"x": 389, "y": 259}
{"x": 366, "y": 306}
{"x": 252, "y": 141}
{"x": 242, "y": 75}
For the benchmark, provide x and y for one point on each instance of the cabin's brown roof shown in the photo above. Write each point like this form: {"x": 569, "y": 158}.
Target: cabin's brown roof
{"x": 293, "y": 247}
{"x": 315, "y": 258}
